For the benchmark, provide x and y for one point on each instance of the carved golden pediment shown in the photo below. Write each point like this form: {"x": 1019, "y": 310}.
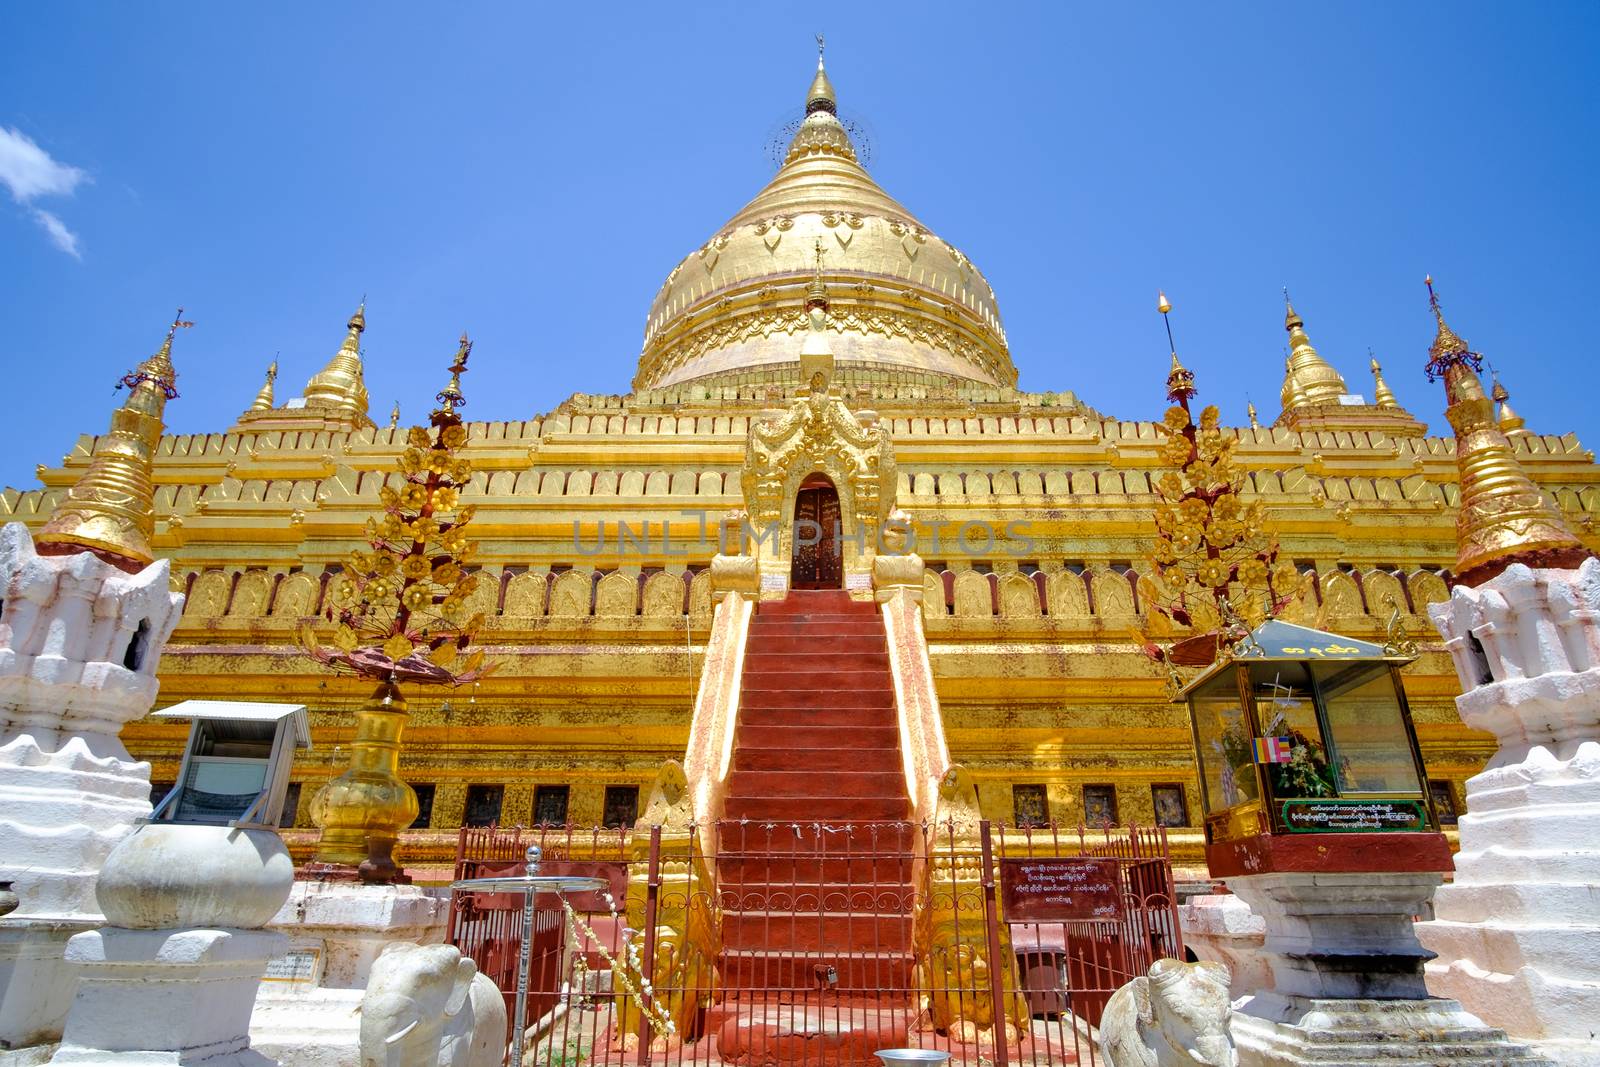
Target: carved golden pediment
{"x": 818, "y": 433}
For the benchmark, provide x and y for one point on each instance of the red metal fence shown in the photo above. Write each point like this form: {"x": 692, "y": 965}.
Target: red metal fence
{"x": 816, "y": 944}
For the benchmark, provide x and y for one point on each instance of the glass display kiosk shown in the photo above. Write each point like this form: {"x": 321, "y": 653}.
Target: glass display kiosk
{"x": 235, "y": 768}
{"x": 1300, "y": 731}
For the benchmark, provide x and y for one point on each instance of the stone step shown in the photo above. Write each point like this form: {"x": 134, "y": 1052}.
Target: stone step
{"x": 813, "y": 931}
{"x": 768, "y": 695}
{"x": 813, "y": 715}
{"x": 840, "y": 628}
{"x": 854, "y": 972}
{"x": 845, "y": 752}
{"x": 784, "y": 642}
{"x": 800, "y": 661}
{"x": 811, "y": 837}
{"x": 824, "y": 808}
{"x": 782, "y": 732}
{"x": 756, "y": 872}
{"x": 875, "y": 782}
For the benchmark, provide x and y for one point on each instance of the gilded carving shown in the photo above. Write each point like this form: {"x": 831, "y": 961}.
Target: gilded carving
{"x": 617, "y": 596}
{"x": 663, "y": 596}
{"x": 296, "y": 597}
{"x": 570, "y": 595}
{"x": 525, "y": 596}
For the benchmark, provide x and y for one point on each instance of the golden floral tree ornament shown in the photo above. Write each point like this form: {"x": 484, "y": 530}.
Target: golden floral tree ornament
{"x": 399, "y": 611}
{"x": 1213, "y": 567}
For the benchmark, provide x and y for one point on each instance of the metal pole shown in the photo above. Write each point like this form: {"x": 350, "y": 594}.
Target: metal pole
{"x": 998, "y": 968}
{"x": 525, "y": 956}
{"x": 647, "y": 966}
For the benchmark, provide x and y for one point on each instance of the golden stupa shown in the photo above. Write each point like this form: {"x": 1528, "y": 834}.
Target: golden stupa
{"x": 912, "y": 402}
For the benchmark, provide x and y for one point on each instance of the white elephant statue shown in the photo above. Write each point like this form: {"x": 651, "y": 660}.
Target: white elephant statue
{"x": 1177, "y": 1015}
{"x": 427, "y": 1006}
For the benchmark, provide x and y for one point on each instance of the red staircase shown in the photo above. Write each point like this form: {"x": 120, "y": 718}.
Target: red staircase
{"x": 816, "y": 890}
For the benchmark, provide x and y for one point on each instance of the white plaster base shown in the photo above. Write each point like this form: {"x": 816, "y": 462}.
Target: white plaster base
{"x": 317, "y": 1022}
{"x": 1341, "y": 936}
{"x": 1518, "y": 932}
{"x": 35, "y": 982}
{"x": 1222, "y": 928}
{"x": 1270, "y": 1030}
{"x": 165, "y": 997}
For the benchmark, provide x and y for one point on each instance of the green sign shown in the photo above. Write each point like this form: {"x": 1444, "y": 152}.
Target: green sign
{"x": 1353, "y": 816}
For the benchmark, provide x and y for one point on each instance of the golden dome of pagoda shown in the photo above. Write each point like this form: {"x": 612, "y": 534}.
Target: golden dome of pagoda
{"x": 902, "y": 299}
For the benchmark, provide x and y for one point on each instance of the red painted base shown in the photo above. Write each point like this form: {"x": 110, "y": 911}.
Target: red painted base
{"x": 1328, "y": 853}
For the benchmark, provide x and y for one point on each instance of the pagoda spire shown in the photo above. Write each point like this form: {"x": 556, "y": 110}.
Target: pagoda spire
{"x": 1307, "y": 374}
{"x": 816, "y": 353}
{"x": 1382, "y": 395}
{"x": 1513, "y": 424}
{"x": 1504, "y": 518}
{"x": 264, "y": 400}
{"x": 110, "y": 510}
{"x": 820, "y": 96}
{"x": 341, "y": 385}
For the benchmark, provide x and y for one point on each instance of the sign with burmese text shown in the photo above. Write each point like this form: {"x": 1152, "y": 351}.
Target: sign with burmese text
{"x": 1353, "y": 816}
{"x": 1060, "y": 889}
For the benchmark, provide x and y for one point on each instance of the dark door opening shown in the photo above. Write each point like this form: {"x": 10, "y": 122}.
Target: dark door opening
{"x": 818, "y": 561}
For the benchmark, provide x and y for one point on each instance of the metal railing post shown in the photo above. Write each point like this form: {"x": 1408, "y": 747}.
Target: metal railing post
{"x": 647, "y": 963}
{"x": 997, "y": 966}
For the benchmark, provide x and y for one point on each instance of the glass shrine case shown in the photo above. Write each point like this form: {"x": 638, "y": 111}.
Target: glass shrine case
{"x": 1303, "y": 731}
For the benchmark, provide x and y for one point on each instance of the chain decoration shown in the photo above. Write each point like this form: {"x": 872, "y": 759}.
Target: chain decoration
{"x": 627, "y": 973}
{"x": 400, "y": 607}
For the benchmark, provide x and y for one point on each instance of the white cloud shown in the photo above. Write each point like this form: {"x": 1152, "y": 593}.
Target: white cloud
{"x": 29, "y": 172}
{"x": 60, "y": 236}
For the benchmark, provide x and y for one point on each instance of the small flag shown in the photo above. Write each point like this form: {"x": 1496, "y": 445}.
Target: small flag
{"x": 1273, "y": 750}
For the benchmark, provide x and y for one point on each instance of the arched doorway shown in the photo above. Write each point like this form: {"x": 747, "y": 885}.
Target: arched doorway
{"x": 818, "y": 549}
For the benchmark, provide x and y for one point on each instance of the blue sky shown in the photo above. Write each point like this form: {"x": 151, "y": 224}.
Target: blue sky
{"x": 531, "y": 173}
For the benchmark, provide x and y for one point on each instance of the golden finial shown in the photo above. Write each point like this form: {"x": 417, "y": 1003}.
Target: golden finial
{"x": 1447, "y": 348}
{"x": 263, "y": 401}
{"x": 817, "y": 292}
{"x": 1504, "y": 518}
{"x": 1308, "y": 373}
{"x": 1509, "y": 421}
{"x": 110, "y": 510}
{"x": 341, "y": 385}
{"x": 1250, "y": 410}
{"x": 394, "y": 415}
{"x": 451, "y": 398}
{"x": 820, "y": 97}
{"x": 1382, "y": 395}
{"x": 1180, "y": 381}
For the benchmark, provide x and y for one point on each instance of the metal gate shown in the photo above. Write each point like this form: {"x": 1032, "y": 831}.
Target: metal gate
{"x": 815, "y": 944}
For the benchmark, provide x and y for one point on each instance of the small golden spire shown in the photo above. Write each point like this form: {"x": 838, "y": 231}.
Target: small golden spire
{"x": 1512, "y": 423}
{"x": 1180, "y": 380}
{"x": 341, "y": 385}
{"x": 1382, "y": 395}
{"x": 450, "y": 397}
{"x": 816, "y": 353}
{"x": 1504, "y": 518}
{"x": 110, "y": 510}
{"x": 817, "y": 292}
{"x": 263, "y": 401}
{"x": 1317, "y": 381}
{"x": 820, "y": 96}
{"x": 394, "y": 415}
{"x": 1250, "y": 410}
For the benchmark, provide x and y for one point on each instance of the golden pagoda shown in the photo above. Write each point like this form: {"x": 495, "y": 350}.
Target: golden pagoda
{"x": 602, "y": 563}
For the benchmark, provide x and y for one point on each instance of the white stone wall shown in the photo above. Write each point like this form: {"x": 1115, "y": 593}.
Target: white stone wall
{"x": 1518, "y": 931}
